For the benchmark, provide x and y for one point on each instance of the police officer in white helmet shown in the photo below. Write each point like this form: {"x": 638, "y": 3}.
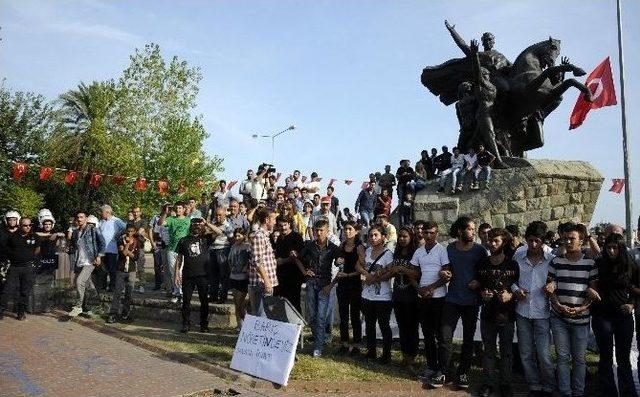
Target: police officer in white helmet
{"x": 10, "y": 226}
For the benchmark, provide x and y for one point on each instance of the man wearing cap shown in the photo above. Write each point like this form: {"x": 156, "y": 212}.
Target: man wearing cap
{"x": 111, "y": 227}
{"x": 23, "y": 248}
{"x": 325, "y": 213}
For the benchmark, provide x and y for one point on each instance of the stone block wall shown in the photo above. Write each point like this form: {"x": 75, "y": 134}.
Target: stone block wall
{"x": 552, "y": 191}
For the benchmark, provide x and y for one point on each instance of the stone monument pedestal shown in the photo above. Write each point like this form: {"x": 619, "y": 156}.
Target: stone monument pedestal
{"x": 553, "y": 191}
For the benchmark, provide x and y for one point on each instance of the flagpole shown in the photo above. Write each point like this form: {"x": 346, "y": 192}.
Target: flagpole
{"x": 625, "y": 152}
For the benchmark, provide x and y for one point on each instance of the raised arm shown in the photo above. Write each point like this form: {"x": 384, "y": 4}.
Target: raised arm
{"x": 457, "y": 39}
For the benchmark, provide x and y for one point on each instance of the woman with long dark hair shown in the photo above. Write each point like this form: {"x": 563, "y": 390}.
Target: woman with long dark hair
{"x": 349, "y": 289}
{"x": 612, "y": 316}
{"x": 376, "y": 293}
{"x": 405, "y": 296}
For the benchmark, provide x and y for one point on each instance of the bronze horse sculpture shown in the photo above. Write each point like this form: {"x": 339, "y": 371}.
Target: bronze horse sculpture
{"x": 527, "y": 91}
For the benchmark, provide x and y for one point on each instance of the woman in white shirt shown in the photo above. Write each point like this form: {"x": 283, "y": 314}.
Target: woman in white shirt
{"x": 376, "y": 292}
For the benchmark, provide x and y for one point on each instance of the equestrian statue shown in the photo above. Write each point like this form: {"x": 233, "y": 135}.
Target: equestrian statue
{"x": 500, "y": 104}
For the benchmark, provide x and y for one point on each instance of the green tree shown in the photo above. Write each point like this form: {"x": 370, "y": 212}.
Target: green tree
{"x": 26, "y": 122}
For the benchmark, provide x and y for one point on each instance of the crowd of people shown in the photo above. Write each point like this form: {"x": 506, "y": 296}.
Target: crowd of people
{"x": 449, "y": 169}
{"x": 283, "y": 240}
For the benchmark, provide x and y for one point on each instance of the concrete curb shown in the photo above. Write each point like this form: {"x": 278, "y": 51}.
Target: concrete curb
{"x": 197, "y": 361}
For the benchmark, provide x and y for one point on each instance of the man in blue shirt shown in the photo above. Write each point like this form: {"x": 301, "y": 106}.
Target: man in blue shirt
{"x": 366, "y": 203}
{"x": 462, "y": 299}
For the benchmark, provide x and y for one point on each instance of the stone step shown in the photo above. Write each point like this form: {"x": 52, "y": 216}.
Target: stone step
{"x": 154, "y": 306}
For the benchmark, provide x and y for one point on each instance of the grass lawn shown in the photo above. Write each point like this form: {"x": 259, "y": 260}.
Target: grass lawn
{"x": 217, "y": 347}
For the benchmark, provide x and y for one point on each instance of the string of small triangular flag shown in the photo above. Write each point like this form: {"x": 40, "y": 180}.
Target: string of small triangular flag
{"x": 95, "y": 179}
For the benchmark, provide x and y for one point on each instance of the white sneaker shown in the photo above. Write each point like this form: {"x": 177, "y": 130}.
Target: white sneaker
{"x": 141, "y": 289}
{"x": 317, "y": 353}
{"x": 174, "y": 299}
{"x": 75, "y": 311}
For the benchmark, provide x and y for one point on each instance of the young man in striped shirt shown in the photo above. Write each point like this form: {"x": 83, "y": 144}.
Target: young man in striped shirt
{"x": 570, "y": 296}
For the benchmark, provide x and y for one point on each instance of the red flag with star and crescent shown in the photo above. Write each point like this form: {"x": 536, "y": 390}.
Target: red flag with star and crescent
{"x": 603, "y": 93}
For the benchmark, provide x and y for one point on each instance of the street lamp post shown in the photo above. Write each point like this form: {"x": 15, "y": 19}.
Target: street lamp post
{"x": 273, "y": 140}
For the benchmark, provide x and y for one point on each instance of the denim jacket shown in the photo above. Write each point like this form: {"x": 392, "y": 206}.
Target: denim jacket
{"x": 91, "y": 241}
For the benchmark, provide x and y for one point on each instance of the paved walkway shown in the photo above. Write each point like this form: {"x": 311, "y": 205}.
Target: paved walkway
{"x": 45, "y": 357}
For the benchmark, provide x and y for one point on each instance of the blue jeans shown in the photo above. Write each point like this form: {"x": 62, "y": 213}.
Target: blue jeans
{"x": 534, "y": 340}
{"x": 454, "y": 177}
{"x": 317, "y": 304}
{"x": 367, "y": 217}
{"x": 571, "y": 346}
{"x": 416, "y": 186}
{"x": 478, "y": 170}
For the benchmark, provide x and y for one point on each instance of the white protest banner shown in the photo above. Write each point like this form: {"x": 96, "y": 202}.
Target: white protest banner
{"x": 266, "y": 348}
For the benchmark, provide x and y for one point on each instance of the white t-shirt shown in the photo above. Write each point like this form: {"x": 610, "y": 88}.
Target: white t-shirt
{"x": 431, "y": 262}
{"x": 379, "y": 291}
{"x": 258, "y": 190}
{"x": 313, "y": 187}
{"x": 246, "y": 186}
{"x": 291, "y": 184}
{"x": 472, "y": 160}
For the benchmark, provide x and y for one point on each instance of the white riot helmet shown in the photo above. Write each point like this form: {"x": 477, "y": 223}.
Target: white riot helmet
{"x": 45, "y": 215}
{"x": 92, "y": 219}
{"x": 12, "y": 214}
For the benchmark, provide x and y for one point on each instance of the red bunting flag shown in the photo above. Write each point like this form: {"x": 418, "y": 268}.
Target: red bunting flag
{"x": 603, "y": 93}
{"x": 95, "y": 179}
{"x": 163, "y": 187}
{"x": 140, "y": 184}
{"x": 18, "y": 170}
{"x": 618, "y": 185}
{"x": 304, "y": 178}
{"x": 364, "y": 186}
{"x": 70, "y": 177}
{"x": 231, "y": 184}
{"x": 46, "y": 172}
{"x": 348, "y": 182}
{"x": 199, "y": 183}
{"x": 118, "y": 179}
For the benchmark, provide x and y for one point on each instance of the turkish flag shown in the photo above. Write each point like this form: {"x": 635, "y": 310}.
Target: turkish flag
{"x": 46, "y": 172}
{"x": 118, "y": 179}
{"x": 163, "y": 187}
{"x": 231, "y": 184}
{"x": 348, "y": 181}
{"x": 603, "y": 93}
{"x": 18, "y": 170}
{"x": 95, "y": 180}
{"x": 70, "y": 177}
{"x": 618, "y": 185}
{"x": 140, "y": 184}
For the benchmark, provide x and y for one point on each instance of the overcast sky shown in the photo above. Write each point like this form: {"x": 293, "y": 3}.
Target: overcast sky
{"x": 347, "y": 73}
